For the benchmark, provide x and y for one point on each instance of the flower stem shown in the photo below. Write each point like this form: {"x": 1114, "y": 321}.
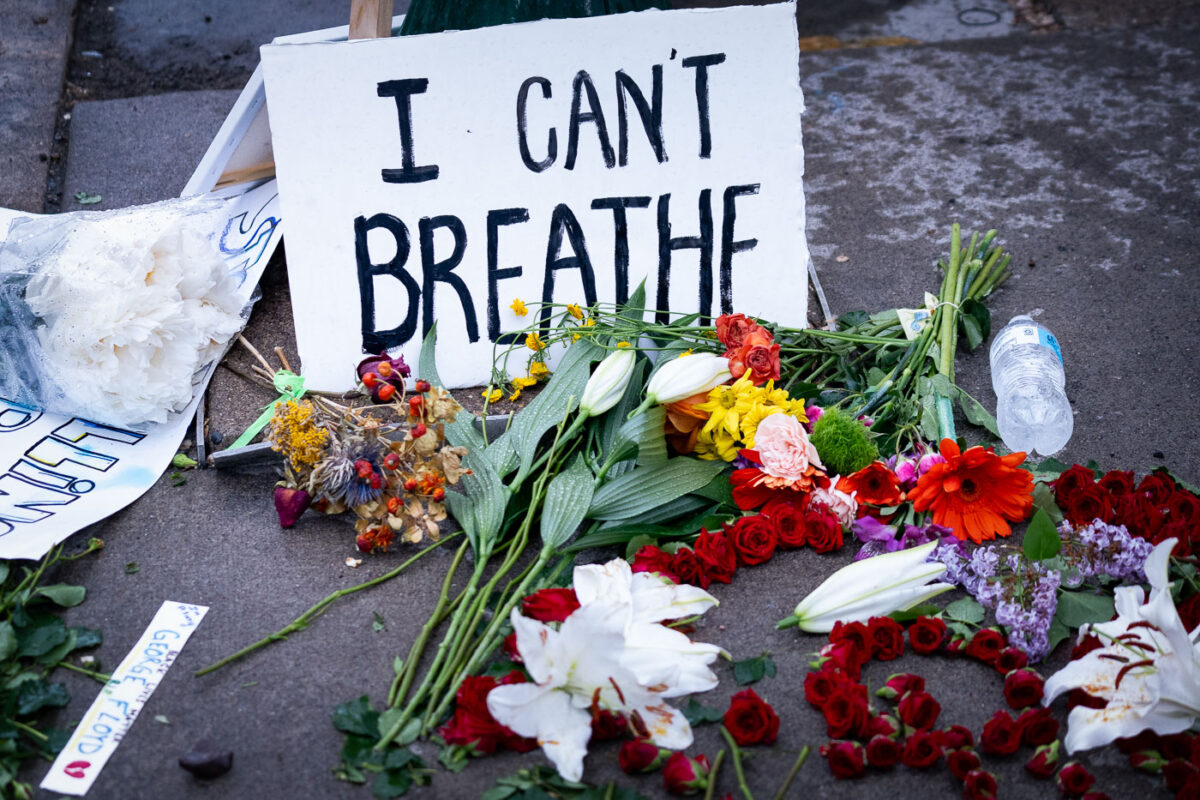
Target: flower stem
{"x": 301, "y": 622}
{"x": 99, "y": 676}
{"x": 34, "y": 732}
{"x": 737, "y": 763}
{"x": 791, "y": 776}
{"x": 711, "y": 789}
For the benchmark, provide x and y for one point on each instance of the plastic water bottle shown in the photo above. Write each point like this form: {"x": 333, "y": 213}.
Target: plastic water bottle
{"x": 1032, "y": 411}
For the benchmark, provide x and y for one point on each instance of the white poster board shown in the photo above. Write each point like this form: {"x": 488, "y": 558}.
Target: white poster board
{"x": 440, "y": 177}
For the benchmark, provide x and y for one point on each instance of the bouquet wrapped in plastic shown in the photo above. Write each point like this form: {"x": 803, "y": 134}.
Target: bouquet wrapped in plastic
{"x": 110, "y": 315}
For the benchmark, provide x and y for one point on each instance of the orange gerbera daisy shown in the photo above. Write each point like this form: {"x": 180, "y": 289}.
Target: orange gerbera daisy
{"x": 875, "y": 484}
{"x": 975, "y": 493}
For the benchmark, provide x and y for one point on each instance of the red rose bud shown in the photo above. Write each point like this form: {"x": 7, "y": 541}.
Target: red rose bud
{"x": 1176, "y": 773}
{"x": 1074, "y": 779}
{"x": 419, "y": 430}
{"x": 422, "y": 386}
{"x": 887, "y": 638}
{"x": 926, "y": 635}
{"x": 955, "y": 647}
{"x": 845, "y": 759}
{"x": 979, "y": 785}
{"x": 882, "y": 725}
{"x": 1148, "y": 761}
{"x": 1010, "y": 658}
{"x": 750, "y": 719}
{"x": 608, "y": 725}
{"x": 919, "y": 710}
{"x": 883, "y": 752}
{"x": 290, "y": 504}
{"x": 1177, "y": 745}
{"x": 900, "y": 684}
{"x": 846, "y": 711}
{"x": 716, "y": 555}
{"x": 683, "y": 775}
{"x": 550, "y": 605}
{"x": 957, "y": 736}
{"x": 1146, "y": 740}
{"x": 986, "y": 645}
{"x": 962, "y": 761}
{"x": 1044, "y": 761}
{"x": 1038, "y": 727}
{"x": 921, "y": 750}
{"x": 1001, "y": 736}
{"x": 754, "y": 539}
{"x": 638, "y": 755}
{"x": 1023, "y": 688}
{"x": 651, "y": 558}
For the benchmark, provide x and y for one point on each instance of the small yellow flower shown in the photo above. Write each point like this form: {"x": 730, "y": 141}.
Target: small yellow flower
{"x": 687, "y": 352}
{"x": 534, "y": 342}
{"x": 519, "y": 385}
{"x": 575, "y": 311}
{"x": 590, "y": 322}
{"x": 574, "y": 337}
{"x": 492, "y": 395}
{"x": 539, "y": 371}
{"x": 622, "y": 345}
{"x": 518, "y": 307}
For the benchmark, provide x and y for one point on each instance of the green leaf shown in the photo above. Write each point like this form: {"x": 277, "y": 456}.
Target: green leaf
{"x": 397, "y": 664}
{"x": 719, "y": 490}
{"x": 1057, "y": 633}
{"x": 177, "y": 479}
{"x": 391, "y": 783}
{"x": 555, "y": 402}
{"x": 960, "y": 629}
{"x": 38, "y": 694}
{"x": 455, "y": 757}
{"x": 63, "y": 594}
{"x": 489, "y": 499}
{"x": 181, "y": 461}
{"x": 3, "y": 571}
{"x": 1052, "y": 466}
{"x": 976, "y": 414}
{"x": 86, "y": 637}
{"x": 910, "y": 614}
{"x": 965, "y": 610}
{"x": 56, "y": 740}
{"x": 697, "y": 713}
{"x": 644, "y": 435}
{"x": 8, "y": 640}
{"x": 357, "y": 716}
{"x": 1041, "y": 539}
{"x": 929, "y": 420}
{"x": 87, "y": 198}
{"x": 427, "y": 360}
{"x": 648, "y": 487}
{"x": 377, "y": 624}
{"x": 1079, "y": 608}
{"x": 57, "y": 654}
{"x": 753, "y": 670}
{"x": 132, "y": 568}
{"x": 634, "y": 309}
{"x": 567, "y": 500}
{"x": 852, "y": 318}
{"x": 1043, "y": 500}
{"x": 43, "y": 634}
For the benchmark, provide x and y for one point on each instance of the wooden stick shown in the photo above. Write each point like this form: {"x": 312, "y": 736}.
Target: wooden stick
{"x": 371, "y": 19}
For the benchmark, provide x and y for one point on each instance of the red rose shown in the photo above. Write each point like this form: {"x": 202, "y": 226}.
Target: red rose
{"x": 962, "y": 761}
{"x": 1189, "y": 612}
{"x": 855, "y": 633}
{"x": 926, "y": 635}
{"x": 1038, "y": 727}
{"x": 1089, "y": 503}
{"x": 1137, "y": 513}
{"x": 758, "y": 355}
{"x": 846, "y": 711}
{"x": 1074, "y": 779}
{"x": 472, "y": 723}
{"x": 882, "y": 725}
{"x": 732, "y": 330}
{"x": 919, "y": 710}
{"x": 750, "y": 720}
{"x": 753, "y": 539}
{"x": 887, "y": 638}
{"x": 716, "y": 555}
{"x": 1010, "y": 658}
{"x": 654, "y": 559}
{"x": 1001, "y": 736}
{"x": 683, "y": 775}
{"x": 818, "y": 686}
{"x": 550, "y": 605}
{"x": 824, "y": 530}
{"x": 687, "y": 567}
{"x": 1044, "y": 761}
{"x": 510, "y": 648}
{"x": 1146, "y": 740}
{"x": 1176, "y": 745}
{"x": 883, "y": 752}
{"x": 986, "y": 645}
{"x": 1158, "y": 487}
{"x": 845, "y": 759}
{"x": 608, "y": 725}
{"x": 957, "y": 736}
{"x": 979, "y": 785}
{"x": 1190, "y": 788}
{"x": 921, "y": 750}
{"x": 1070, "y": 482}
{"x": 639, "y": 755}
{"x": 875, "y": 484}
{"x": 1176, "y": 773}
{"x": 788, "y": 519}
{"x": 844, "y": 656}
{"x": 901, "y": 684}
{"x": 1117, "y": 483}
{"x": 1184, "y": 507}
{"x": 1023, "y": 688}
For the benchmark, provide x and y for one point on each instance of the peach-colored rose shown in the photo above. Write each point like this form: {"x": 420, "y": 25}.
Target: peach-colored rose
{"x": 784, "y": 448}
{"x": 841, "y": 505}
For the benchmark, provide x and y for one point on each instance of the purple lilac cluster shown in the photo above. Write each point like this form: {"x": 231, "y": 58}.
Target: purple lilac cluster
{"x": 1100, "y": 550}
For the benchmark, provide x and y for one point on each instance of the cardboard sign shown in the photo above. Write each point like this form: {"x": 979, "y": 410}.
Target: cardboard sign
{"x": 441, "y": 177}
{"x": 113, "y": 712}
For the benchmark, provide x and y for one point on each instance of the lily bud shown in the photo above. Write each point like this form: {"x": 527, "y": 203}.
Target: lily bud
{"x": 608, "y": 382}
{"x": 873, "y": 587}
{"x": 685, "y": 376}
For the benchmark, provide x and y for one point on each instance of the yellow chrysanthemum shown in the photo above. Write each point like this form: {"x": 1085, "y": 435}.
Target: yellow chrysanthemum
{"x": 539, "y": 371}
{"x": 590, "y": 322}
{"x": 622, "y": 345}
{"x": 534, "y": 342}
{"x": 727, "y": 404}
{"x": 716, "y": 446}
{"x": 518, "y": 307}
{"x": 575, "y": 311}
{"x": 492, "y": 395}
{"x": 749, "y": 422}
{"x": 781, "y": 399}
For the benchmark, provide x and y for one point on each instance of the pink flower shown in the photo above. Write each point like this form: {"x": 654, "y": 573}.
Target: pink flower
{"x": 784, "y": 448}
{"x": 906, "y": 472}
{"x": 841, "y": 505}
{"x": 928, "y": 460}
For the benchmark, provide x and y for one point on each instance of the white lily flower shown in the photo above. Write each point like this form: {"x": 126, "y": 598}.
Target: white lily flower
{"x": 607, "y": 384}
{"x": 686, "y": 376}
{"x": 609, "y": 654}
{"x": 1149, "y": 670}
{"x": 873, "y": 587}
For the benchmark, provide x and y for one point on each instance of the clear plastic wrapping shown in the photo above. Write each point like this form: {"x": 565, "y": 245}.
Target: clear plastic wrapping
{"x": 109, "y": 315}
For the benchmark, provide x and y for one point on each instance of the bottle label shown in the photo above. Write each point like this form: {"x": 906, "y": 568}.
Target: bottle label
{"x": 1033, "y": 334}
{"x": 1046, "y": 339}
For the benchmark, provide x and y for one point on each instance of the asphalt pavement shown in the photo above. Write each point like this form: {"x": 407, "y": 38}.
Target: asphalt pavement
{"x": 1079, "y": 145}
